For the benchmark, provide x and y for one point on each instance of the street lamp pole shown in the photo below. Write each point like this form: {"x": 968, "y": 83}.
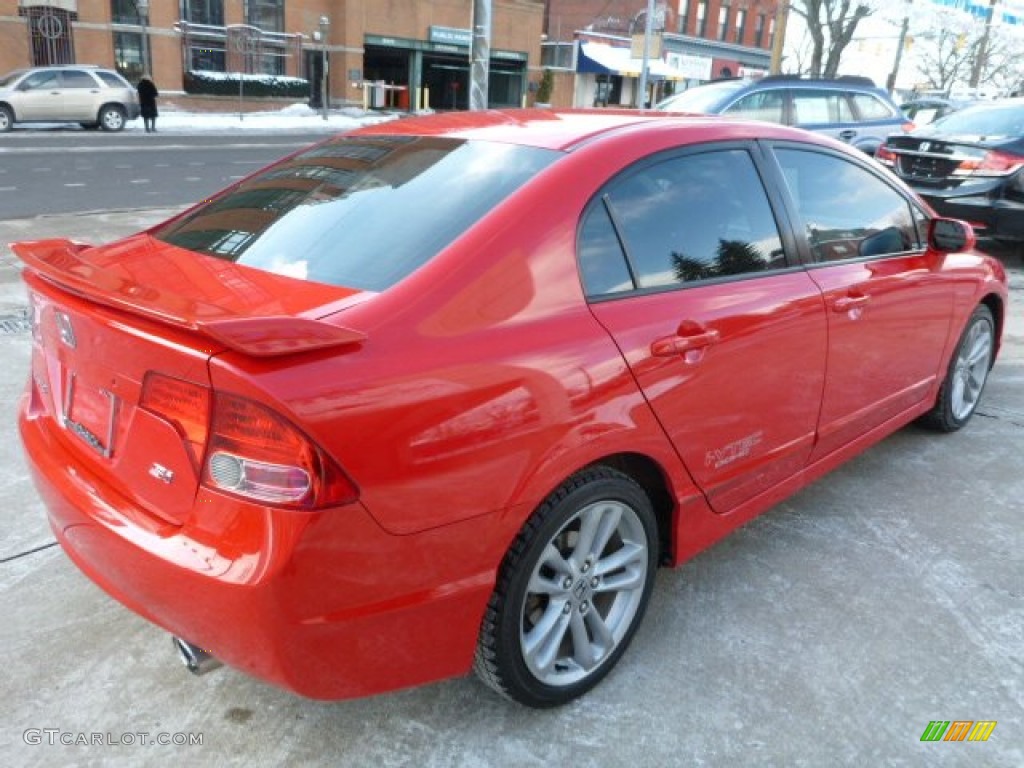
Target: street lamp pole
{"x": 325, "y": 24}
{"x": 142, "y": 10}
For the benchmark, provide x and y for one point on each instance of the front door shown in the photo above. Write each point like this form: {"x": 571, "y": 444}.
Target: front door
{"x": 38, "y": 96}
{"x": 725, "y": 336}
{"x": 888, "y": 307}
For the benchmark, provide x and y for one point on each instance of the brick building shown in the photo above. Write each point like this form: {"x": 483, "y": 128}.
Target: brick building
{"x": 417, "y": 48}
{"x": 700, "y": 40}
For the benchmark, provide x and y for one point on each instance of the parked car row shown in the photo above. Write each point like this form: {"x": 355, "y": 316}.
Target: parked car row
{"x": 966, "y": 158}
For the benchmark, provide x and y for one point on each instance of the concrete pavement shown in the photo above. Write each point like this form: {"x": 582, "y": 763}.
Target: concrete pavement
{"x": 829, "y": 632}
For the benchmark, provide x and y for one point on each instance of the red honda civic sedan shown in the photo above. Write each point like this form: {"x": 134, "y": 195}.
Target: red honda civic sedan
{"x": 444, "y": 393}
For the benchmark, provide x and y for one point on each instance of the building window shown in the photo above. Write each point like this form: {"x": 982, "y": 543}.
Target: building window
{"x": 702, "y": 18}
{"x": 272, "y": 60}
{"x": 759, "y": 31}
{"x": 741, "y": 25}
{"x": 124, "y": 12}
{"x": 723, "y": 22}
{"x": 207, "y": 56}
{"x": 267, "y": 15}
{"x": 684, "y": 16}
{"x": 128, "y": 55}
{"x": 771, "y": 33}
{"x": 203, "y": 12}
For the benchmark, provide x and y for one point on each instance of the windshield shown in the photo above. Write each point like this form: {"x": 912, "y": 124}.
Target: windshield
{"x": 361, "y": 212}
{"x": 988, "y": 120}
{"x": 10, "y": 77}
{"x": 703, "y": 98}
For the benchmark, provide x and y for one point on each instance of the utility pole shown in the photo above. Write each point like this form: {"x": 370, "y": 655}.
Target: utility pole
{"x": 779, "y": 40}
{"x": 979, "y": 61}
{"x": 480, "y": 55}
{"x": 648, "y": 26}
{"x": 890, "y": 82}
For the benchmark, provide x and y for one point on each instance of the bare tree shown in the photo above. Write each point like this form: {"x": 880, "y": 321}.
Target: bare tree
{"x": 944, "y": 59}
{"x": 831, "y": 24}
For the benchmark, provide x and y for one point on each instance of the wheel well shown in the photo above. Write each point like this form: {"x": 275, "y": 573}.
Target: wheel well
{"x": 8, "y": 106}
{"x": 114, "y": 104}
{"x": 648, "y": 473}
{"x": 995, "y": 306}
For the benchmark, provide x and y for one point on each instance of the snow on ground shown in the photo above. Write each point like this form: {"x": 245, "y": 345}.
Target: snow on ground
{"x": 297, "y": 118}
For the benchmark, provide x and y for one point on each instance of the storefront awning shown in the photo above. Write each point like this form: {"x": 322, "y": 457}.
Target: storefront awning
{"x": 604, "y": 59}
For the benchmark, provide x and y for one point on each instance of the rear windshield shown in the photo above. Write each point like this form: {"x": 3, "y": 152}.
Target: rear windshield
{"x": 989, "y": 121}
{"x": 362, "y": 212}
{"x": 703, "y": 98}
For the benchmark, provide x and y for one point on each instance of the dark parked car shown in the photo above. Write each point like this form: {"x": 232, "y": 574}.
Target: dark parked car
{"x": 850, "y": 109}
{"x": 969, "y": 165}
{"x": 928, "y": 109}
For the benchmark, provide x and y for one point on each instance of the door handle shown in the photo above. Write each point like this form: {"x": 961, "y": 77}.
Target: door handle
{"x": 847, "y": 303}
{"x": 848, "y": 134}
{"x": 688, "y": 342}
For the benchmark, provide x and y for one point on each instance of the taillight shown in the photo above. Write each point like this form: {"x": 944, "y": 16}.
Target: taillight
{"x": 245, "y": 448}
{"x": 992, "y": 163}
{"x": 256, "y": 453}
{"x": 885, "y": 155}
{"x": 183, "y": 404}
{"x": 908, "y": 127}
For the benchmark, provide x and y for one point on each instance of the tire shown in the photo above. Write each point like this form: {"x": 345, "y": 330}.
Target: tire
{"x": 6, "y": 119}
{"x": 965, "y": 379}
{"x": 111, "y": 118}
{"x": 571, "y": 591}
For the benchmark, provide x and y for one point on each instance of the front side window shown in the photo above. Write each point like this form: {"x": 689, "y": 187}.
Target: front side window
{"x": 687, "y": 218}
{"x": 763, "y": 105}
{"x": 847, "y": 212}
{"x": 39, "y": 80}
{"x": 361, "y": 212}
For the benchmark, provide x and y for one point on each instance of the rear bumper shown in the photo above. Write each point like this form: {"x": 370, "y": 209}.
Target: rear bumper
{"x": 325, "y": 604}
{"x": 991, "y": 216}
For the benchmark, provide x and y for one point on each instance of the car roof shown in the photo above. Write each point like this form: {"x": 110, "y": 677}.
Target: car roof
{"x": 564, "y": 129}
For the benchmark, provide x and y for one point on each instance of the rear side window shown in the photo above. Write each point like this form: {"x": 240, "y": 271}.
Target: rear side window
{"x": 362, "y": 212}
{"x": 870, "y": 107}
{"x": 764, "y": 105}
{"x": 814, "y": 107}
{"x": 847, "y": 212}
{"x": 76, "y": 78}
{"x": 684, "y": 219}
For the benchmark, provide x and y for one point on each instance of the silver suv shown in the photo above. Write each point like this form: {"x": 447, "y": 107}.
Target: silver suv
{"x": 94, "y": 97}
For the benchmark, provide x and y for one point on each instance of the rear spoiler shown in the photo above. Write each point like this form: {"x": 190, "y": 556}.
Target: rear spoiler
{"x": 57, "y": 262}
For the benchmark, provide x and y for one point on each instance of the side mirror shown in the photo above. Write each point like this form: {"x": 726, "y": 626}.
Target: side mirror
{"x": 950, "y": 235}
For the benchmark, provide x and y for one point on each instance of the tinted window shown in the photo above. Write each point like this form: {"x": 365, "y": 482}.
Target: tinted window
{"x": 990, "y": 121}
{"x": 704, "y": 98}
{"x": 847, "y": 211}
{"x": 10, "y": 77}
{"x": 765, "y": 105}
{"x": 602, "y": 262}
{"x": 76, "y": 78}
{"x": 693, "y": 218}
{"x": 811, "y": 107}
{"x": 362, "y": 212}
{"x": 870, "y": 107}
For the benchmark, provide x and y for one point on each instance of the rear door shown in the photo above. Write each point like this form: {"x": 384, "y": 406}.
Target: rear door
{"x": 826, "y": 111}
{"x": 80, "y": 94}
{"x": 684, "y": 265}
{"x": 888, "y": 304}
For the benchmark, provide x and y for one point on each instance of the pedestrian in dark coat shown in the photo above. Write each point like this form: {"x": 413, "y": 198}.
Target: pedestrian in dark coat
{"x": 147, "y": 101}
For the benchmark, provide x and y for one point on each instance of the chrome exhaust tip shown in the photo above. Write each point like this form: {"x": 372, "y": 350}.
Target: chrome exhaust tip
{"x": 197, "y": 660}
